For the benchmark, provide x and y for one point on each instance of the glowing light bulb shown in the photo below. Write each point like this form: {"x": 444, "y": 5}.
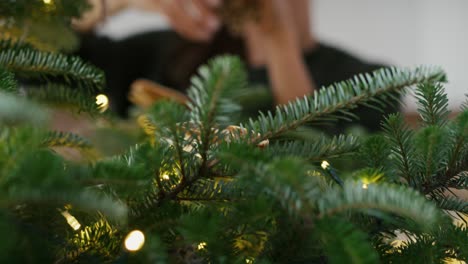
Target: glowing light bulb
{"x": 47, "y": 2}
{"x": 134, "y": 240}
{"x": 325, "y": 164}
{"x": 249, "y": 261}
{"x": 102, "y": 102}
{"x": 201, "y": 246}
{"x": 365, "y": 186}
{"x": 71, "y": 220}
{"x": 165, "y": 177}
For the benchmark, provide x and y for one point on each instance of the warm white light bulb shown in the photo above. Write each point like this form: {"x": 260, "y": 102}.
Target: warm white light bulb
{"x": 325, "y": 164}
{"x": 365, "y": 186}
{"x": 165, "y": 177}
{"x": 71, "y": 220}
{"x": 201, "y": 246}
{"x": 102, "y": 102}
{"x": 134, "y": 240}
{"x": 47, "y": 2}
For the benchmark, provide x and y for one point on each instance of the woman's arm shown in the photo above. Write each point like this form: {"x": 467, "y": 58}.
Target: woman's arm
{"x": 289, "y": 75}
{"x": 277, "y": 42}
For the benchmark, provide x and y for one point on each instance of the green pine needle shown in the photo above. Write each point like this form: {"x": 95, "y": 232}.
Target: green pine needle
{"x": 7, "y": 82}
{"x": 344, "y": 243}
{"x": 64, "y": 96}
{"x": 400, "y": 138}
{"x": 210, "y": 91}
{"x": 432, "y": 103}
{"x": 321, "y": 149}
{"x": 28, "y": 62}
{"x": 340, "y": 97}
{"x": 453, "y": 204}
{"x": 384, "y": 197}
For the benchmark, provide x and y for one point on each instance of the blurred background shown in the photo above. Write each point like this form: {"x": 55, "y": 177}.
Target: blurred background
{"x": 397, "y": 32}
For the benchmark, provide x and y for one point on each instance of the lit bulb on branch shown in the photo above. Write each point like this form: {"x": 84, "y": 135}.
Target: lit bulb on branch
{"x": 102, "y": 102}
{"x": 47, "y": 2}
{"x": 325, "y": 165}
{"x": 201, "y": 246}
{"x": 370, "y": 177}
{"x": 134, "y": 240}
{"x": 71, "y": 220}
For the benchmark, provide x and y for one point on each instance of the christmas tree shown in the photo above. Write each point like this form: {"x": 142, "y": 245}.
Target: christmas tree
{"x": 200, "y": 189}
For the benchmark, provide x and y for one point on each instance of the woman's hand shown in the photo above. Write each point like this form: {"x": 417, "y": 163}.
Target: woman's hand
{"x": 192, "y": 19}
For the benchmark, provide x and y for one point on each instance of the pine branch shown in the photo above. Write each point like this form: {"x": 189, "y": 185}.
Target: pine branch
{"x": 453, "y": 204}
{"x": 432, "y": 104}
{"x": 41, "y": 177}
{"x": 321, "y": 149}
{"x": 464, "y": 106}
{"x": 99, "y": 238}
{"x": 432, "y": 148}
{"x": 25, "y": 61}
{"x": 7, "y": 82}
{"x": 401, "y": 137}
{"x": 423, "y": 249}
{"x": 374, "y": 151}
{"x": 458, "y": 155}
{"x": 210, "y": 190}
{"x": 135, "y": 167}
{"x": 210, "y": 105}
{"x": 70, "y": 140}
{"x": 340, "y": 97}
{"x": 460, "y": 181}
{"x": 383, "y": 197}
{"x": 235, "y": 157}
{"x": 288, "y": 181}
{"x": 455, "y": 161}
{"x": 344, "y": 243}
{"x": 453, "y": 239}
{"x": 66, "y": 139}
{"x": 148, "y": 127}
{"x": 15, "y": 143}
{"x": 64, "y": 96}
{"x": 448, "y": 241}
{"x": 168, "y": 120}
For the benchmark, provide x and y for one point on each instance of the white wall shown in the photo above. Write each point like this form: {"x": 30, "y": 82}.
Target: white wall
{"x": 399, "y": 32}
{"x": 402, "y": 32}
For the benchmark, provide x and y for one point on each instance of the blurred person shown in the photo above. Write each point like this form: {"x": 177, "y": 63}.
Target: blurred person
{"x": 279, "y": 48}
